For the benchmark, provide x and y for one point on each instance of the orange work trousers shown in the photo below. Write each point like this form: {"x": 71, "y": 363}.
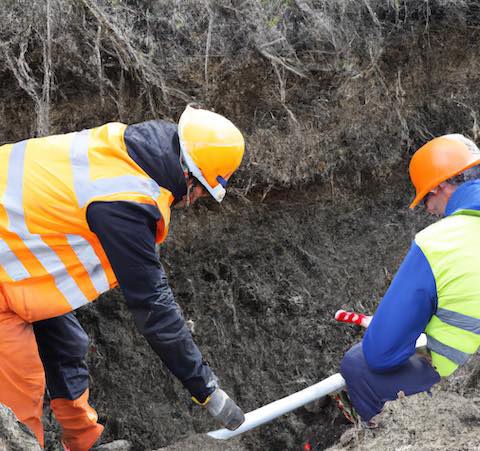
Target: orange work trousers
{"x": 22, "y": 386}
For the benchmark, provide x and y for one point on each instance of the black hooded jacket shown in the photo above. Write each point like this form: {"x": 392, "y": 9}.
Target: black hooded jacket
{"x": 127, "y": 232}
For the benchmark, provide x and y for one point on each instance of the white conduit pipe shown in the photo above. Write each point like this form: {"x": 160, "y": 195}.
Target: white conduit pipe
{"x": 282, "y": 406}
{"x": 275, "y": 409}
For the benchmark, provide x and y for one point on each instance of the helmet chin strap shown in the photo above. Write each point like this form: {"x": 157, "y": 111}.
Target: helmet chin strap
{"x": 187, "y": 175}
{"x": 189, "y": 190}
{"x": 218, "y": 192}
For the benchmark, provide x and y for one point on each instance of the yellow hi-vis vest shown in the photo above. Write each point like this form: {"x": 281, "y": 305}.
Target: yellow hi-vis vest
{"x": 452, "y": 248}
{"x": 50, "y": 261}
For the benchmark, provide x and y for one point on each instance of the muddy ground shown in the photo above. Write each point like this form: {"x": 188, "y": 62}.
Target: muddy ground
{"x": 262, "y": 311}
{"x": 421, "y": 423}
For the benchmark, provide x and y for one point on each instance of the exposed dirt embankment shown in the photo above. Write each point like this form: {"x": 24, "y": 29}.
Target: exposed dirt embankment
{"x": 262, "y": 311}
{"x": 321, "y": 89}
{"x": 333, "y": 96}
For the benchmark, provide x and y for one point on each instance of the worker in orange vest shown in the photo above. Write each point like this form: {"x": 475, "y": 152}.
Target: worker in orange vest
{"x": 81, "y": 213}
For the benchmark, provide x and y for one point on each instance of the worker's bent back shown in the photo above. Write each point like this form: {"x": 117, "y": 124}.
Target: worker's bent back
{"x": 50, "y": 262}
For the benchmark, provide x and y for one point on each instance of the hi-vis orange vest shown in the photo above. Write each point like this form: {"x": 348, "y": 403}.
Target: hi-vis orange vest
{"x": 50, "y": 262}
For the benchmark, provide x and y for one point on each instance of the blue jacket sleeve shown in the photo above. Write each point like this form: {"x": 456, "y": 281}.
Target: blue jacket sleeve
{"x": 126, "y": 231}
{"x": 402, "y": 315}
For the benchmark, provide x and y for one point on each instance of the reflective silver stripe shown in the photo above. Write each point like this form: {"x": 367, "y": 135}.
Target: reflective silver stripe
{"x": 85, "y": 189}
{"x": 11, "y": 264}
{"x": 13, "y": 202}
{"x": 13, "y": 197}
{"x": 459, "y": 320}
{"x": 55, "y": 267}
{"x": 89, "y": 259}
{"x": 450, "y": 353}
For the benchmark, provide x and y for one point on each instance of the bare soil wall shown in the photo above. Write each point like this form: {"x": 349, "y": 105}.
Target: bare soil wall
{"x": 260, "y": 282}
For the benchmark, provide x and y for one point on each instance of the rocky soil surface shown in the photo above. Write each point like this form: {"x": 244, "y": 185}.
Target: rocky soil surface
{"x": 446, "y": 421}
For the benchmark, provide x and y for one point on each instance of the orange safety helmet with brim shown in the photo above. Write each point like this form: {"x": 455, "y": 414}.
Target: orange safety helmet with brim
{"x": 440, "y": 159}
{"x": 212, "y": 148}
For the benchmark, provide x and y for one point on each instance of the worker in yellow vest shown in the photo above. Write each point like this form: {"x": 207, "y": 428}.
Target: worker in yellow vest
{"x": 81, "y": 213}
{"x": 436, "y": 291}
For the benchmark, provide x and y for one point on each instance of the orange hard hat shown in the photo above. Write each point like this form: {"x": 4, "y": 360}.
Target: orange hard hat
{"x": 212, "y": 148}
{"x": 440, "y": 159}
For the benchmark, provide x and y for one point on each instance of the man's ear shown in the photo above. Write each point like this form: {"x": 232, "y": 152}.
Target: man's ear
{"x": 447, "y": 188}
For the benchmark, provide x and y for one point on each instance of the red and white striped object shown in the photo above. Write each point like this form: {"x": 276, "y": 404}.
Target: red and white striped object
{"x": 353, "y": 318}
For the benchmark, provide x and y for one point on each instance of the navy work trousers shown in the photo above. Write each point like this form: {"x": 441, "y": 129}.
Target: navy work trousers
{"x": 369, "y": 391}
{"x": 62, "y": 345}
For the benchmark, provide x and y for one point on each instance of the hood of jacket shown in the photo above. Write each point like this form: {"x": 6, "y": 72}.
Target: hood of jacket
{"x": 155, "y": 147}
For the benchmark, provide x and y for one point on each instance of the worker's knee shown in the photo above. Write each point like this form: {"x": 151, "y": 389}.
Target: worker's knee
{"x": 353, "y": 362}
{"x": 75, "y": 336}
{"x": 82, "y": 342}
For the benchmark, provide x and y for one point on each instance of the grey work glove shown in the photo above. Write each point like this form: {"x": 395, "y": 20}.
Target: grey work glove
{"x": 224, "y": 410}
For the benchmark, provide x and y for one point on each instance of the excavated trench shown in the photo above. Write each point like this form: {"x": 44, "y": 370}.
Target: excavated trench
{"x": 259, "y": 281}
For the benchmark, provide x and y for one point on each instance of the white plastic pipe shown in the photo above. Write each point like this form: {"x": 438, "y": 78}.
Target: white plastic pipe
{"x": 282, "y": 406}
{"x": 273, "y": 410}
